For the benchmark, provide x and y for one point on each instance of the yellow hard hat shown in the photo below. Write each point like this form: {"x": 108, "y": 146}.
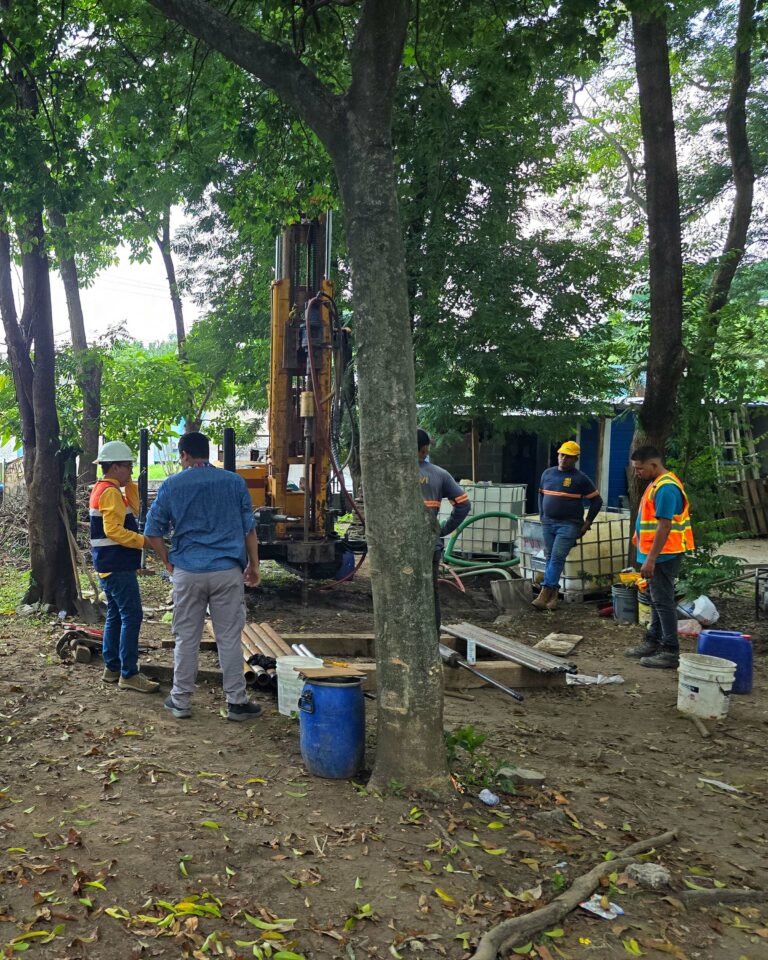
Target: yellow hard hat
{"x": 570, "y": 449}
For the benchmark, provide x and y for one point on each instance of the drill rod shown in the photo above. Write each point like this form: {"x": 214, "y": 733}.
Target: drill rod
{"x": 452, "y": 659}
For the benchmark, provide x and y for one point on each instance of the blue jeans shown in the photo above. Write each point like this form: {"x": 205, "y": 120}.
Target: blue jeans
{"x": 120, "y": 646}
{"x": 559, "y": 538}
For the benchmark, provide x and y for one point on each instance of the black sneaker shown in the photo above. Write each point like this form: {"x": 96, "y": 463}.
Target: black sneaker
{"x": 181, "y": 713}
{"x": 663, "y": 660}
{"x": 243, "y": 711}
{"x": 645, "y": 649}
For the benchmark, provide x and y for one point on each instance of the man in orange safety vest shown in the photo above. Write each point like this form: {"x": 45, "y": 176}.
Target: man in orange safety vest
{"x": 663, "y": 534}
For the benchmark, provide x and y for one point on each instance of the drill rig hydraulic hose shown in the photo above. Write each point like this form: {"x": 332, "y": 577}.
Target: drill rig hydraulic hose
{"x": 449, "y": 558}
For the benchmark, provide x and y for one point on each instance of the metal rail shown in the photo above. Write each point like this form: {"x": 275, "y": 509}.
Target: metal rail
{"x": 536, "y": 660}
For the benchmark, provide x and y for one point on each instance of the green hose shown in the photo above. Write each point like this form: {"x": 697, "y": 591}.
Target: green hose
{"x": 449, "y": 558}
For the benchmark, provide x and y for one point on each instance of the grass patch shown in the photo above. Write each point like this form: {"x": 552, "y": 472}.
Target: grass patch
{"x": 12, "y": 588}
{"x": 160, "y": 471}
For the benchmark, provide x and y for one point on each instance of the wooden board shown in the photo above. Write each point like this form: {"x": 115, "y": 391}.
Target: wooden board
{"x": 330, "y": 673}
{"x": 511, "y": 674}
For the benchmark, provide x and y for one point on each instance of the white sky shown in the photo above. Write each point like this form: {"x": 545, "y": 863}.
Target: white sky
{"x": 136, "y": 293}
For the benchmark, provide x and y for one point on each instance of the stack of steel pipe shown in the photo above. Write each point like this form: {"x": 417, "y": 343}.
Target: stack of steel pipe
{"x": 262, "y": 640}
{"x": 536, "y": 660}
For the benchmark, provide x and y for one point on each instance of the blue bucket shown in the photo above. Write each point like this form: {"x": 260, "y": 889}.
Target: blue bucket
{"x": 332, "y": 727}
{"x": 730, "y": 645}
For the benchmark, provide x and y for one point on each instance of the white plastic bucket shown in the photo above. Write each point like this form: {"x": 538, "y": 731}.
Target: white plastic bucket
{"x": 704, "y": 685}
{"x": 289, "y": 683}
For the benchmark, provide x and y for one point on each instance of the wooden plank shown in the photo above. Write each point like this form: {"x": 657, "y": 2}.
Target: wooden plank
{"x": 510, "y": 674}
{"x": 758, "y": 503}
{"x": 162, "y": 672}
{"x": 330, "y": 673}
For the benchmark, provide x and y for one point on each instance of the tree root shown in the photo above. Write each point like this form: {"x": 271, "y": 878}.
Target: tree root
{"x": 511, "y": 933}
{"x": 707, "y": 898}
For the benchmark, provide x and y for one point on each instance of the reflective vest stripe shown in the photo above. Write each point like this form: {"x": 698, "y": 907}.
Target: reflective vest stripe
{"x": 560, "y": 493}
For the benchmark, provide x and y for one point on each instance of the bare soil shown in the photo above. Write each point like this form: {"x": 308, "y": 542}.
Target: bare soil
{"x": 125, "y": 833}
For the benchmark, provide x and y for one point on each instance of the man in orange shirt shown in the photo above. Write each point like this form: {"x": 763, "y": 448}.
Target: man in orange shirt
{"x": 116, "y": 546}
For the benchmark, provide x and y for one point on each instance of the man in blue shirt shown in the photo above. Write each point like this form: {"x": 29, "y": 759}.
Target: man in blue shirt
{"x": 213, "y": 549}
{"x": 563, "y": 491}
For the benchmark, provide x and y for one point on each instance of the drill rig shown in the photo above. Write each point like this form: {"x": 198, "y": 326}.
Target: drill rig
{"x": 310, "y": 350}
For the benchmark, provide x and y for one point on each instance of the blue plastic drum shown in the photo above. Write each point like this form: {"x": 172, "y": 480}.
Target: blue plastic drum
{"x": 332, "y": 727}
{"x": 732, "y": 646}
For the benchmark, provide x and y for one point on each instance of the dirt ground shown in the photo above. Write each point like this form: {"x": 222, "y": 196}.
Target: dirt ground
{"x": 125, "y": 833}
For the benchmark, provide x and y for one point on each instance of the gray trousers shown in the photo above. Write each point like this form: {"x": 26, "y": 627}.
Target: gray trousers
{"x": 223, "y": 594}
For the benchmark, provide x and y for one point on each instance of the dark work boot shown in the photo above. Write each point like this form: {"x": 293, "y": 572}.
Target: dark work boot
{"x": 645, "y": 649}
{"x": 665, "y": 659}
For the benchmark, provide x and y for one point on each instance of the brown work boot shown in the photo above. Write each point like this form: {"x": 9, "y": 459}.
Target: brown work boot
{"x": 553, "y": 600}
{"x": 538, "y": 577}
{"x": 110, "y": 676}
{"x": 544, "y": 597}
{"x": 139, "y": 683}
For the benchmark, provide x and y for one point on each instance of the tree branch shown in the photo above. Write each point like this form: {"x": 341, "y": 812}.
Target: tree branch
{"x": 511, "y": 933}
{"x": 275, "y": 65}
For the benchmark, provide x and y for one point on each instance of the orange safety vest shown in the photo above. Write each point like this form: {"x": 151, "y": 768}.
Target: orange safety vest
{"x": 680, "y": 539}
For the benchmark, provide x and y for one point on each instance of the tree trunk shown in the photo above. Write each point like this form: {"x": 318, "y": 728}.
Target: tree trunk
{"x": 89, "y": 366}
{"x": 163, "y": 240}
{"x": 355, "y": 128}
{"x": 399, "y": 533}
{"x": 665, "y": 352}
{"x": 703, "y": 379}
{"x": 18, "y": 355}
{"x": 52, "y": 578}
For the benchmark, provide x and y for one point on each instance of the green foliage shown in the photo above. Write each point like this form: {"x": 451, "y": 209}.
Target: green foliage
{"x": 704, "y": 570}
{"x": 471, "y": 765}
{"x": 13, "y": 586}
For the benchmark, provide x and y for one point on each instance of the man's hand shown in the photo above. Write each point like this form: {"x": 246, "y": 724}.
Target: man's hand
{"x": 584, "y": 528}
{"x": 252, "y": 576}
{"x": 169, "y": 567}
{"x": 648, "y": 568}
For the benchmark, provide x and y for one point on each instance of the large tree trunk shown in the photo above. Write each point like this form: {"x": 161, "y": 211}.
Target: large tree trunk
{"x": 163, "y": 239}
{"x": 666, "y": 359}
{"x": 355, "y": 129}
{"x": 52, "y": 578}
{"x": 703, "y": 383}
{"x": 18, "y": 354}
{"x": 400, "y": 535}
{"x": 89, "y": 365}
{"x": 32, "y": 356}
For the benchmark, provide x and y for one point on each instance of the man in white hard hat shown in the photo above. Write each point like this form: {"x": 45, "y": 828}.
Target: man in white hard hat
{"x": 116, "y": 546}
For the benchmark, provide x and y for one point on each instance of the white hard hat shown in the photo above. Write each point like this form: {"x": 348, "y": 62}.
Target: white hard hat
{"x": 114, "y": 452}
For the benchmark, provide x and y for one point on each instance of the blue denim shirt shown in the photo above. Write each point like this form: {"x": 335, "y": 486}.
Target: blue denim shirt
{"x": 208, "y": 513}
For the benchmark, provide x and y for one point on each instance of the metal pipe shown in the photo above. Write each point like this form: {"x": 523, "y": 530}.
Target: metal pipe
{"x": 229, "y": 450}
{"x": 452, "y": 659}
{"x": 143, "y": 485}
{"x": 328, "y": 242}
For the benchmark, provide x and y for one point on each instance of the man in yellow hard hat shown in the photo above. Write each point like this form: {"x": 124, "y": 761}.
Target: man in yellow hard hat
{"x": 563, "y": 491}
